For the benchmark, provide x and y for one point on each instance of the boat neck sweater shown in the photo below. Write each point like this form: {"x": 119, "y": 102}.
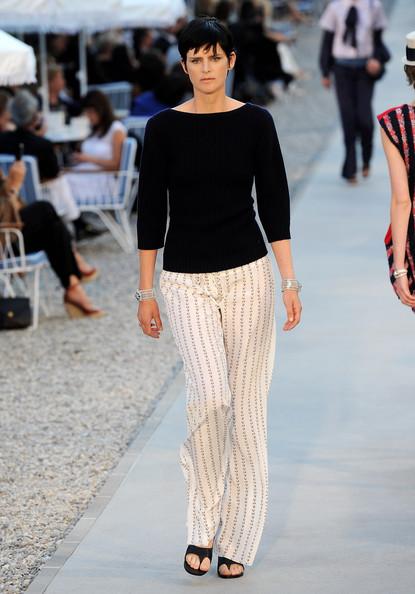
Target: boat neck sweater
{"x": 198, "y": 169}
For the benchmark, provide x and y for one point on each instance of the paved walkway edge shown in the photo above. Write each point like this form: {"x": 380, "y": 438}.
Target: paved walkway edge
{"x": 116, "y": 477}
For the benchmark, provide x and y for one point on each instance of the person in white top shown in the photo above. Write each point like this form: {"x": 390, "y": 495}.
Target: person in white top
{"x": 352, "y": 49}
{"x": 101, "y": 151}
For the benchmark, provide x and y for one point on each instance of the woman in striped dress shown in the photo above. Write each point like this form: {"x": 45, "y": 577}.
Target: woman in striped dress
{"x": 398, "y": 138}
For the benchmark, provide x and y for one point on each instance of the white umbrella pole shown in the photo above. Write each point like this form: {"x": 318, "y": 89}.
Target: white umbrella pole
{"x": 83, "y": 72}
{"x": 44, "y": 89}
{"x": 192, "y": 6}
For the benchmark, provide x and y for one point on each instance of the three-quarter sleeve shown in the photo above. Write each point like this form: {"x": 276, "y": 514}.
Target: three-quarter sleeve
{"x": 152, "y": 191}
{"x": 273, "y": 198}
{"x": 326, "y": 59}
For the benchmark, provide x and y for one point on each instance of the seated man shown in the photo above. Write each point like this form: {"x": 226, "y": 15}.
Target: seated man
{"x": 29, "y": 132}
{"x": 59, "y": 100}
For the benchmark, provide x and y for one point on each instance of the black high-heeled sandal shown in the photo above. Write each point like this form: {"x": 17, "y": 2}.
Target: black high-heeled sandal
{"x": 228, "y": 563}
{"x": 202, "y": 553}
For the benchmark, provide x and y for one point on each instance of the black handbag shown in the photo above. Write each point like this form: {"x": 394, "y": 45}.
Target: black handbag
{"x": 15, "y": 313}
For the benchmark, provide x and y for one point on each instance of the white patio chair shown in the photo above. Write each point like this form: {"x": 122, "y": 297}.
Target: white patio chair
{"x": 15, "y": 264}
{"x": 112, "y": 196}
{"x": 137, "y": 125}
{"x": 119, "y": 95}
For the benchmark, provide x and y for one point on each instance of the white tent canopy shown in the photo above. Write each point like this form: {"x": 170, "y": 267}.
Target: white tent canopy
{"x": 71, "y": 16}
{"x": 17, "y": 61}
{"x": 149, "y": 13}
{"x": 57, "y": 16}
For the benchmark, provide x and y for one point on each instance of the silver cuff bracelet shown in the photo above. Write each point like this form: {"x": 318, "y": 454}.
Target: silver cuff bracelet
{"x": 144, "y": 294}
{"x": 290, "y": 283}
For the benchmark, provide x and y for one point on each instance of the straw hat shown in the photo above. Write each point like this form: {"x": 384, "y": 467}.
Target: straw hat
{"x": 409, "y": 59}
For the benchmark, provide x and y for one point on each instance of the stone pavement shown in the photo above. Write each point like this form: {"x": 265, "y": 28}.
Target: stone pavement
{"x": 82, "y": 389}
{"x": 341, "y": 425}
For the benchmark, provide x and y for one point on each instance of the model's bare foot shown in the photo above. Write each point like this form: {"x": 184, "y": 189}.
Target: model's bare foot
{"x": 194, "y": 561}
{"x": 234, "y": 569}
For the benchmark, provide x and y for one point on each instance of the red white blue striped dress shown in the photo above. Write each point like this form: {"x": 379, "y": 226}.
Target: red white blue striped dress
{"x": 399, "y": 125}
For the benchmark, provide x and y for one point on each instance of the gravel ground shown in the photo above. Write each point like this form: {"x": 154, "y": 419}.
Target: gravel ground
{"x": 75, "y": 393}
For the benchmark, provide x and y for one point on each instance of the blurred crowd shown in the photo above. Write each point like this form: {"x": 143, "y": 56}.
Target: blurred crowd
{"x": 143, "y": 65}
{"x": 148, "y": 59}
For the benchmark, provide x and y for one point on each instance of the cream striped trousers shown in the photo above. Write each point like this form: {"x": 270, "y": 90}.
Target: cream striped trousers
{"x": 223, "y": 324}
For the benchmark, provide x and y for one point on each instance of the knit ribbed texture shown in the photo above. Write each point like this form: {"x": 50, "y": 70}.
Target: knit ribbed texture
{"x": 199, "y": 169}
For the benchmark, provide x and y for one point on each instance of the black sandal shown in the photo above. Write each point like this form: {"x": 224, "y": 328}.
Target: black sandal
{"x": 228, "y": 563}
{"x": 202, "y": 553}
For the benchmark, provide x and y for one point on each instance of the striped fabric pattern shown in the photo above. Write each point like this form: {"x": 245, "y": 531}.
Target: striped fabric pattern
{"x": 399, "y": 125}
{"x": 224, "y": 327}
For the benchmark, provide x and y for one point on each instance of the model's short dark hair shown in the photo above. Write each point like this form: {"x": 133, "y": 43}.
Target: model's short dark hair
{"x": 206, "y": 32}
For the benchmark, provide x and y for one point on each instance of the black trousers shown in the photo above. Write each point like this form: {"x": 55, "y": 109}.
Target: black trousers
{"x": 354, "y": 90}
{"x": 44, "y": 230}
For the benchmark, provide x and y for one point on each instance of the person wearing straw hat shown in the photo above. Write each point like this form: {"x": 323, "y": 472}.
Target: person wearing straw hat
{"x": 353, "y": 51}
{"x": 398, "y": 139}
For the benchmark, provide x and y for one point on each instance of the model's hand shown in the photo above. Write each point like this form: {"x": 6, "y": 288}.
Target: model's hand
{"x": 149, "y": 318}
{"x": 326, "y": 82}
{"x": 402, "y": 290}
{"x": 373, "y": 66}
{"x": 293, "y": 306}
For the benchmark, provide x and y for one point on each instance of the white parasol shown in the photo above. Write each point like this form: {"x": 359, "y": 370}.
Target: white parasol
{"x": 17, "y": 61}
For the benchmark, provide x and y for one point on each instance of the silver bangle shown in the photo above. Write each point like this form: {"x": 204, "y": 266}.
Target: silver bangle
{"x": 291, "y": 284}
{"x": 144, "y": 294}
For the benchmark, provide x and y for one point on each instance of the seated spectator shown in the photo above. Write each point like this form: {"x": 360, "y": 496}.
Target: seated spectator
{"x": 101, "y": 151}
{"x": 143, "y": 40}
{"x": 6, "y": 123}
{"x": 64, "y": 50}
{"x": 110, "y": 60}
{"x": 151, "y": 70}
{"x": 168, "y": 93}
{"x": 102, "y": 148}
{"x": 224, "y": 10}
{"x": 42, "y": 229}
{"x": 100, "y": 68}
{"x": 166, "y": 42}
{"x": 262, "y": 45}
{"x": 29, "y": 132}
{"x": 59, "y": 100}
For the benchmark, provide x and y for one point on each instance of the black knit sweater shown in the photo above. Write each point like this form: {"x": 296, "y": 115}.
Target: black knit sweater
{"x": 201, "y": 168}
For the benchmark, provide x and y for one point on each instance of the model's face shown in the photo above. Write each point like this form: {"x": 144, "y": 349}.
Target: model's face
{"x": 208, "y": 67}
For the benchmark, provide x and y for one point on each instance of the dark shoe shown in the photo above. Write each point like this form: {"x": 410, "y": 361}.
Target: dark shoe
{"x": 87, "y": 232}
{"x": 228, "y": 563}
{"x": 366, "y": 170}
{"x": 201, "y": 552}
